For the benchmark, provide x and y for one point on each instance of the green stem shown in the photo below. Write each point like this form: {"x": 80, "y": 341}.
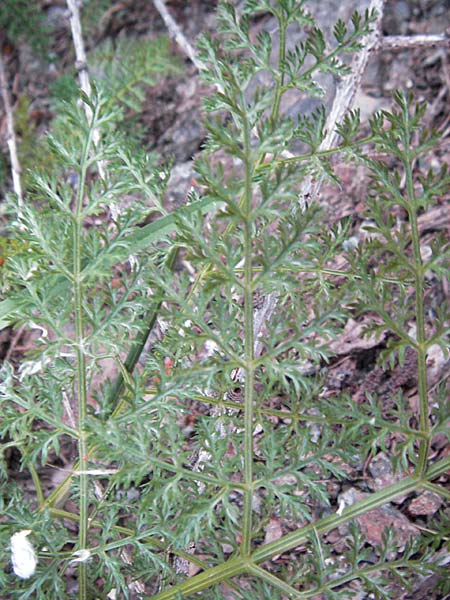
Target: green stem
{"x": 133, "y": 537}
{"x": 249, "y": 368}
{"x": 437, "y": 489}
{"x": 81, "y": 379}
{"x": 363, "y": 574}
{"x": 317, "y": 270}
{"x": 208, "y": 578}
{"x": 37, "y": 485}
{"x": 281, "y": 58}
{"x": 240, "y": 565}
{"x": 419, "y": 284}
{"x": 291, "y": 540}
{"x": 139, "y": 343}
{"x": 308, "y": 156}
{"x": 249, "y": 341}
{"x": 195, "y": 475}
{"x": 437, "y": 469}
{"x": 278, "y": 93}
{"x": 275, "y": 581}
{"x": 59, "y": 494}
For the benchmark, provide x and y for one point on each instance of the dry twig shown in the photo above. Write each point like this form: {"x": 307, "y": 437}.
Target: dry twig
{"x": 11, "y": 135}
{"x": 177, "y": 34}
{"x": 81, "y": 66}
{"x": 406, "y": 42}
{"x": 347, "y": 89}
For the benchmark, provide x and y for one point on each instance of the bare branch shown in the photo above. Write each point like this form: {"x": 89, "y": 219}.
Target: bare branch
{"x": 80, "y": 53}
{"x": 176, "y": 33}
{"x": 11, "y": 135}
{"x": 405, "y": 42}
{"x": 81, "y": 66}
{"x": 345, "y": 93}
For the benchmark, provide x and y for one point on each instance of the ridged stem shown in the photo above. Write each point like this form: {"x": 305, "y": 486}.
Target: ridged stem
{"x": 81, "y": 378}
{"x": 419, "y": 284}
{"x": 239, "y": 565}
{"x": 281, "y": 58}
{"x": 249, "y": 341}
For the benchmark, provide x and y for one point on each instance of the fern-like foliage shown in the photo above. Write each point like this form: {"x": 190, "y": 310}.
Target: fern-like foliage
{"x": 20, "y": 20}
{"x": 123, "y": 69}
{"x": 123, "y": 72}
{"x": 181, "y": 462}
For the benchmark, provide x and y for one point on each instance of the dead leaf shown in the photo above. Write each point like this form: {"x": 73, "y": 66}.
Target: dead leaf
{"x": 274, "y": 530}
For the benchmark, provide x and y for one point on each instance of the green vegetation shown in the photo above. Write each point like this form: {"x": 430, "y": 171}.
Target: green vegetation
{"x": 144, "y": 496}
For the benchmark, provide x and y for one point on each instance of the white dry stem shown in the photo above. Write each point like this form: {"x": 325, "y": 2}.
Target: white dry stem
{"x": 346, "y": 91}
{"x": 31, "y": 367}
{"x": 81, "y": 66}
{"x": 102, "y": 472}
{"x": 177, "y": 34}
{"x": 11, "y": 135}
{"x": 68, "y": 410}
{"x": 405, "y": 42}
{"x": 345, "y": 500}
{"x": 23, "y": 556}
{"x": 203, "y": 457}
{"x": 80, "y": 53}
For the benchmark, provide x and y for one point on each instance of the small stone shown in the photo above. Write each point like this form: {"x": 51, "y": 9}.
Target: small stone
{"x": 375, "y": 522}
{"x": 383, "y": 476}
{"x": 426, "y": 503}
{"x": 273, "y": 529}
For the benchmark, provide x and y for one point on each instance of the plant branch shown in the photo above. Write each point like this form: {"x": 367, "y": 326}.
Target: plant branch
{"x": 274, "y": 581}
{"x": 177, "y": 34}
{"x": 82, "y": 68}
{"x": 406, "y": 42}
{"x": 10, "y": 132}
{"x": 237, "y": 566}
{"x": 249, "y": 369}
{"x": 80, "y": 352}
{"x": 343, "y": 101}
{"x": 419, "y": 286}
